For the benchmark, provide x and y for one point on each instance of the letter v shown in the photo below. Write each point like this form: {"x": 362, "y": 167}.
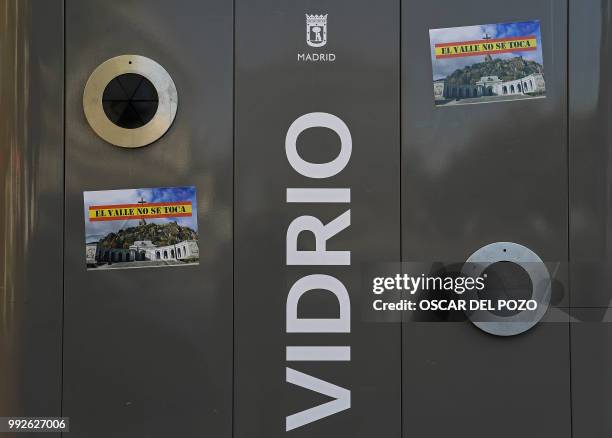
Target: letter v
{"x": 342, "y": 399}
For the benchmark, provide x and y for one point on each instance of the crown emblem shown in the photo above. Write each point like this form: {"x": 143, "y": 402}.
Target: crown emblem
{"x": 316, "y": 19}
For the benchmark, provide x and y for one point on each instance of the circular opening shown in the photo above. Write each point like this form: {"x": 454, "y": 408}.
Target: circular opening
{"x": 130, "y": 101}
{"x": 506, "y": 281}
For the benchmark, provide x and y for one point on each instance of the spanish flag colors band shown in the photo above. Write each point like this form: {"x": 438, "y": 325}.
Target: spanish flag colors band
{"x": 140, "y": 211}
{"x": 486, "y": 47}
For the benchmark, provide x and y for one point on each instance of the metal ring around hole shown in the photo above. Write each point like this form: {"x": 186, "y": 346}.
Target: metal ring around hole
{"x": 540, "y": 280}
{"x": 123, "y": 137}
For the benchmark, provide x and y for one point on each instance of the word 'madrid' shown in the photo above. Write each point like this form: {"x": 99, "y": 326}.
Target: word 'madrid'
{"x": 319, "y": 257}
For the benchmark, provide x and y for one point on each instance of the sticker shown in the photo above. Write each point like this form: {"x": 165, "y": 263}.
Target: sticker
{"x": 487, "y": 63}
{"x": 141, "y": 228}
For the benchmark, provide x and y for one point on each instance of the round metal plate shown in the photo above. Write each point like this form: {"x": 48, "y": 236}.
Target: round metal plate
{"x": 540, "y": 280}
{"x": 116, "y": 135}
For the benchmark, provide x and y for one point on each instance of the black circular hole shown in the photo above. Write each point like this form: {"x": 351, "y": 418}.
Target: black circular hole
{"x": 506, "y": 281}
{"x": 130, "y": 101}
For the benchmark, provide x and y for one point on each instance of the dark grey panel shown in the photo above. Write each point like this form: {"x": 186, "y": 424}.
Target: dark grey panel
{"x": 590, "y": 162}
{"x": 148, "y": 352}
{"x": 273, "y": 89}
{"x": 461, "y": 382}
{"x": 474, "y": 175}
{"x": 590, "y": 171}
{"x": 591, "y": 373}
{"x": 478, "y": 174}
{"x": 31, "y": 200}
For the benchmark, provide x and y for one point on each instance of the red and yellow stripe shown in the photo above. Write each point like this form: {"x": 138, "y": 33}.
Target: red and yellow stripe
{"x": 486, "y": 47}
{"x": 152, "y": 210}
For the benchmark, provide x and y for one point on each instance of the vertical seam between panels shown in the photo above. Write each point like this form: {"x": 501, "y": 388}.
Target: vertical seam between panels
{"x": 233, "y": 404}
{"x": 569, "y": 197}
{"x": 63, "y": 5}
{"x": 401, "y": 211}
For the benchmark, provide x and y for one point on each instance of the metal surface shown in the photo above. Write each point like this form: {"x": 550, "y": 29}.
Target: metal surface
{"x": 148, "y": 352}
{"x": 591, "y": 373}
{"x": 590, "y": 158}
{"x": 99, "y": 121}
{"x": 273, "y": 89}
{"x": 590, "y": 144}
{"x": 540, "y": 282}
{"x": 31, "y": 199}
{"x": 472, "y": 175}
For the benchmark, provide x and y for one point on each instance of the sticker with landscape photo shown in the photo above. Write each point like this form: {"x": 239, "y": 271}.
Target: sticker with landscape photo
{"x": 487, "y": 63}
{"x": 141, "y": 228}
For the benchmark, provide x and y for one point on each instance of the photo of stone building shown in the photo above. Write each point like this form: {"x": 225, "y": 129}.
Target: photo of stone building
{"x": 491, "y": 86}
{"x": 141, "y": 228}
{"x": 487, "y": 63}
{"x": 144, "y": 251}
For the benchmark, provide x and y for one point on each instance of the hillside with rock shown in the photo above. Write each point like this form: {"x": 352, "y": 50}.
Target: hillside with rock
{"x": 505, "y": 69}
{"x": 160, "y": 234}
